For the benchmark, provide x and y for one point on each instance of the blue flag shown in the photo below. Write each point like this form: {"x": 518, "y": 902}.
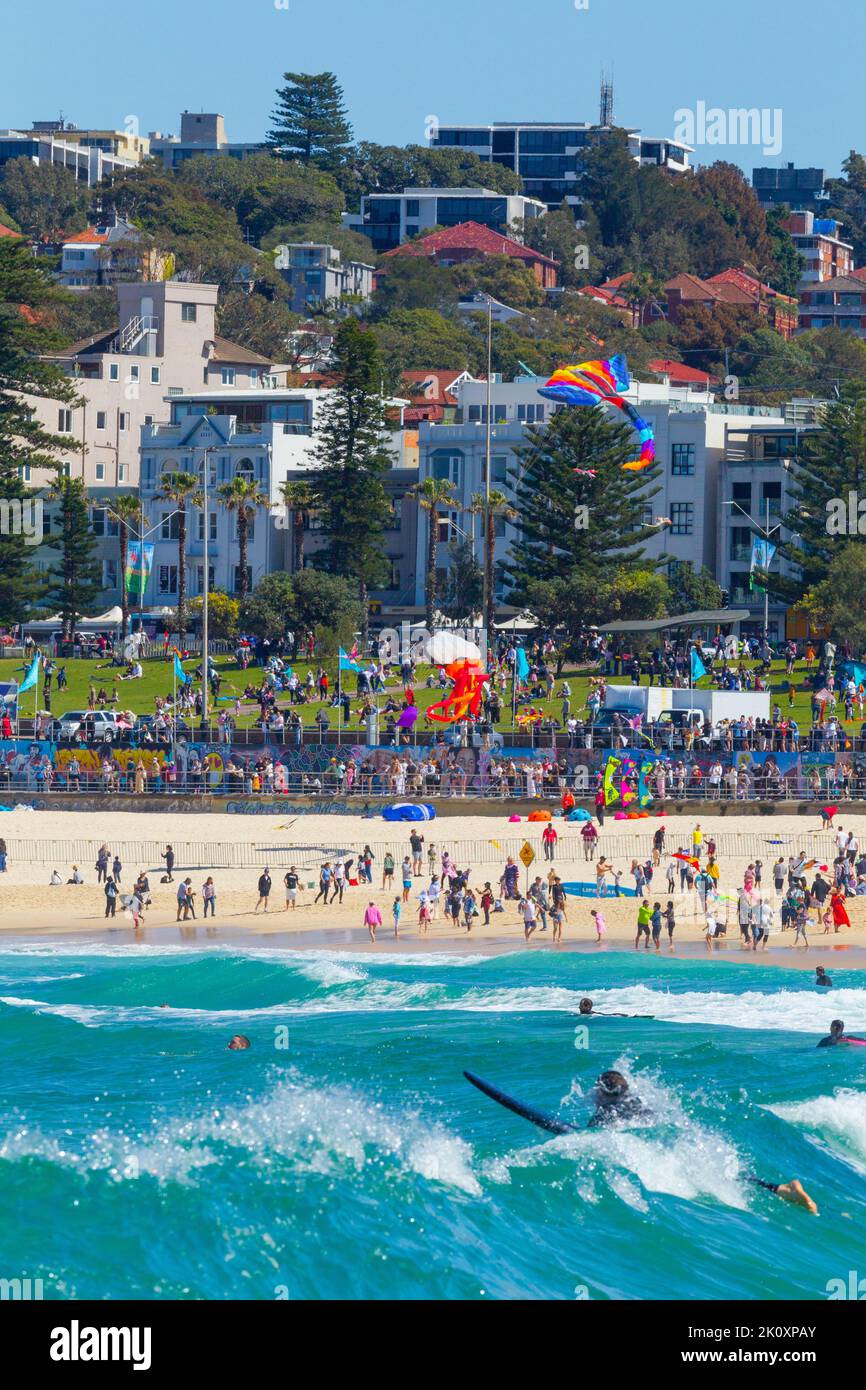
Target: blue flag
{"x": 521, "y": 665}
{"x": 698, "y": 667}
{"x": 31, "y": 678}
{"x": 347, "y": 663}
{"x": 179, "y": 673}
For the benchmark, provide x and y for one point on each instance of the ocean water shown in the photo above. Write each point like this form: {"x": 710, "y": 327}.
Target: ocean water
{"x": 345, "y": 1156}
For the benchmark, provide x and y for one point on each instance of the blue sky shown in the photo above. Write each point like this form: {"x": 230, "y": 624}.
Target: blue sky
{"x": 401, "y": 61}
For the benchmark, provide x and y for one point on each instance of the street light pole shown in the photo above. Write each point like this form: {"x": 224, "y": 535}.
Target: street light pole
{"x": 488, "y": 558}
{"x": 205, "y": 684}
{"x": 766, "y": 532}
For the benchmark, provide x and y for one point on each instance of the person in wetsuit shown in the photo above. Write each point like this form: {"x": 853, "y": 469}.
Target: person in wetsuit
{"x": 614, "y": 1101}
{"x": 586, "y": 1007}
{"x": 838, "y": 1035}
{"x": 822, "y": 979}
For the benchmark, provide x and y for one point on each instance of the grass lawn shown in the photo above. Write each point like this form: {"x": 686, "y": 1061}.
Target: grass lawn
{"x": 139, "y": 695}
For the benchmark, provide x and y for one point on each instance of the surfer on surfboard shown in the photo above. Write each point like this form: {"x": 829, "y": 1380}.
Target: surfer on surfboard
{"x": 614, "y": 1101}
{"x": 838, "y": 1035}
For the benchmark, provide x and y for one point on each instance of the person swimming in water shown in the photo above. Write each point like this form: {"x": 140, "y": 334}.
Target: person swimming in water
{"x": 822, "y": 978}
{"x": 838, "y": 1035}
{"x": 238, "y": 1043}
{"x": 614, "y": 1101}
{"x": 586, "y": 1007}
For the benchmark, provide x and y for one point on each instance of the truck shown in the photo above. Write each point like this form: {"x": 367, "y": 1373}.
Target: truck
{"x": 653, "y": 702}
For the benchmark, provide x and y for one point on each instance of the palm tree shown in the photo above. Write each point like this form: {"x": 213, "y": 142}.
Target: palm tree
{"x": 433, "y": 494}
{"x": 180, "y": 488}
{"x": 127, "y": 510}
{"x": 299, "y": 498}
{"x": 244, "y": 496}
{"x": 490, "y": 507}
{"x": 641, "y": 288}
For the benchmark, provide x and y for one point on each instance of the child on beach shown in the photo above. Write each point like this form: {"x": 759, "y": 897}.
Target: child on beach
{"x": 433, "y": 895}
{"x": 600, "y": 925}
{"x": 486, "y": 903}
{"x": 396, "y": 909}
{"x": 388, "y": 870}
{"x": 670, "y": 923}
{"x": 556, "y": 916}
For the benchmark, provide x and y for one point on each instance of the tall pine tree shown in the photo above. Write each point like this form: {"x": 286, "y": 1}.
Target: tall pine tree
{"x": 830, "y": 464}
{"x": 74, "y": 581}
{"x": 310, "y": 122}
{"x": 576, "y": 528}
{"x": 351, "y": 460}
{"x": 26, "y": 297}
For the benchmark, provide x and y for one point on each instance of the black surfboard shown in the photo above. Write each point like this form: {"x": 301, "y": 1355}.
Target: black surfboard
{"x": 527, "y": 1112}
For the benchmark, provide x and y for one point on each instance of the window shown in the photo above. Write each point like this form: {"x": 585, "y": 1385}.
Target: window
{"x": 64, "y": 422}
{"x": 123, "y": 472}
{"x": 245, "y": 469}
{"x": 237, "y": 578}
{"x": 187, "y": 313}
{"x": 396, "y": 519}
{"x": 97, "y": 521}
{"x": 154, "y": 375}
{"x": 178, "y": 390}
{"x": 113, "y": 372}
{"x": 394, "y": 577}
{"x": 109, "y": 574}
{"x": 25, "y": 473}
{"x": 134, "y": 371}
{"x": 227, "y": 376}
{"x": 199, "y": 578}
{"x": 682, "y": 460}
{"x": 122, "y": 420}
{"x": 499, "y": 469}
{"x": 413, "y": 207}
{"x": 478, "y": 414}
{"x": 447, "y": 466}
{"x": 170, "y": 526}
{"x": 100, "y": 472}
{"x": 444, "y": 526}
{"x": 100, "y": 419}
{"x": 682, "y": 518}
{"x": 530, "y": 413}
{"x": 212, "y": 530}
{"x": 254, "y": 376}
{"x": 168, "y": 579}
{"x": 742, "y": 493}
{"x": 66, "y": 468}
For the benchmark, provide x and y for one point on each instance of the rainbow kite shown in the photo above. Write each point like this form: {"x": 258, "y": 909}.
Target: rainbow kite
{"x": 591, "y": 383}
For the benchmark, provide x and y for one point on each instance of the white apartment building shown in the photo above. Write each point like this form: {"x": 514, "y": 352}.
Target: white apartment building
{"x": 268, "y": 438}
{"x": 690, "y": 432}
{"x": 318, "y": 276}
{"x": 389, "y": 219}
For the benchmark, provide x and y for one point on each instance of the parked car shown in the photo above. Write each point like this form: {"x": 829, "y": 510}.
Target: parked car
{"x": 103, "y": 722}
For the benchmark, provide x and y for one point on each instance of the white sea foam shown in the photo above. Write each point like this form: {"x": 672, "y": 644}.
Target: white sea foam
{"x": 837, "y": 1121}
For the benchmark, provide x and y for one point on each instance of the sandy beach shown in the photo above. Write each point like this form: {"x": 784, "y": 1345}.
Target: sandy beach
{"x": 235, "y": 849}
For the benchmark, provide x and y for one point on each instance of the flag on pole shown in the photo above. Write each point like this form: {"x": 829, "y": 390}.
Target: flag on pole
{"x": 521, "y": 665}
{"x": 179, "y": 673}
{"x": 139, "y": 561}
{"x": 698, "y": 667}
{"x": 31, "y": 678}
{"x": 347, "y": 663}
{"x": 762, "y": 556}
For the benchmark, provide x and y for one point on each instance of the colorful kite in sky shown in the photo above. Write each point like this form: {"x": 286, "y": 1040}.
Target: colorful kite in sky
{"x": 591, "y": 383}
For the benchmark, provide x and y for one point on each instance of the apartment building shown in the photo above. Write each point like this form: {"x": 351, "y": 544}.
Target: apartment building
{"x": 470, "y": 241}
{"x": 819, "y": 241}
{"x": 689, "y": 428}
{"x": 89, "y": 163}
{"x": 797, "y": 188}
{"x": 267, "y": 437}
{"x": 201, "y": 133}
{"x": 126, "y": 144}
{"x": 839, "y": 302}
{"x": 389, "y": 219}
{"x": 164, "y": 343}
{"x": 549, "y": 155}
{"x": 318, "y": 276}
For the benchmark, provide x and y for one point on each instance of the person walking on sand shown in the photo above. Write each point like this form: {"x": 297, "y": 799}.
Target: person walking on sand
{"x": 589, "y": 835}
{"x": 556, "y": 916}
{"x": 656, "y": 924}
{"x": 697, "y": 841}
{"x": 116, "y": 869}
{"x": 416, "y": 844}
{"x": 264, "y": 890}
{"x": 527, "y": 907}
{"x": 801, "y": 921}
{"x": 600, "y": 925}
{"x": 549, "y": 838}
{"x": 168, "y": 856}
{"x": 208, "y": 897}
{"x": 182, "y": 902}
{"x": 396, "y": 909}
{"x": 291, "y": 881}
{"x": 423, "y": 915}
{"x": 372, "y": 919}
{"x": 324, "y": 884}
{"x": 190, "y": 897}
{"x": 339, "y": 880}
